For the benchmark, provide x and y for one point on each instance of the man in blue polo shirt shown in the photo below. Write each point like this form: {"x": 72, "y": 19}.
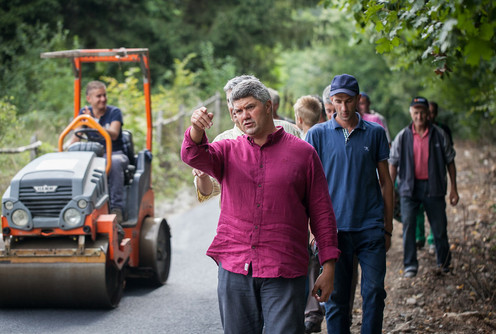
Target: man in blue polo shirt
{"x": 355, "y": 155}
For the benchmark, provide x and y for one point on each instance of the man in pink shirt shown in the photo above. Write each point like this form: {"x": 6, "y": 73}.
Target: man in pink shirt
{"x": 421, "y": 154}
{"x": 272, "y": 182}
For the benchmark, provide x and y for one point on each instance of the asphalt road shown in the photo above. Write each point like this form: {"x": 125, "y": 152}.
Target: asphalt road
{"x": 186, "y": 304}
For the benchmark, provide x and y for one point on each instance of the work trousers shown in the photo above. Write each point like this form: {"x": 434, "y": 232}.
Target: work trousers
{"x": 120, "y": 161}
{"x": 248, "y": 303}
{"x": 435, "y": 208}
{"x": 370, "y": 248}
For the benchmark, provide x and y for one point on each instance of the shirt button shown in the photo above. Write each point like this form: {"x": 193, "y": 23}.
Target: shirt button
{"x": 261, "y": 166}
{"x": 252, "y": 247}
{"x": 260, "y": 186}
{"x": 258, "y": 205}
{"x": 256, "y": 227}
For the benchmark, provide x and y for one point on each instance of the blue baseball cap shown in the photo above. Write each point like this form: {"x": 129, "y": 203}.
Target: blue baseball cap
{"x": 344, "y": 83}
{"x": 420, "y": 101}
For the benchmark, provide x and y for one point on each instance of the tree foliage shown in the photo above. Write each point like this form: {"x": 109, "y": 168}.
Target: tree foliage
{"x": 445, "y": 32}
{"x": 455, "y": 38}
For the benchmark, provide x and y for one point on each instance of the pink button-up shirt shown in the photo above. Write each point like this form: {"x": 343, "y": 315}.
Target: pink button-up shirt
{"x": 421, "y": 154}
{"x": 268, "y": 194}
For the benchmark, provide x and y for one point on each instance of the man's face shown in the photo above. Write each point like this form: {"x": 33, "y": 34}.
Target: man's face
{"x": 97, "y": 98}
{"x": 419, "y": 115}
{"x": 432, "y": 113}
{"x": 345, "y": 105}
{"x": 329, "y": 109}
{"x": 252, "y": 115}
{"x": 364, "y": 105}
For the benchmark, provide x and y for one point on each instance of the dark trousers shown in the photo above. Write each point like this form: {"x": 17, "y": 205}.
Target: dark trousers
{"x": 116, "y": 180}
{"x": 370, "y": 248}
{"x": 248, "y": 303}
{"x": 435, "y": 208}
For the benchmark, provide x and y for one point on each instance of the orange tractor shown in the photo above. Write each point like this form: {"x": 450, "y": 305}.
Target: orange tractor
{"x": 60, "y": 244}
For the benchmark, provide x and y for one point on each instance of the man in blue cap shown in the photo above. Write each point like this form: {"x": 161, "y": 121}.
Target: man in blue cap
{"x": 354, "y": 152}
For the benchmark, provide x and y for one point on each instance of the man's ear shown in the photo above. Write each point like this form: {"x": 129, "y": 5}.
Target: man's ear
{"x": 268, "y": 106}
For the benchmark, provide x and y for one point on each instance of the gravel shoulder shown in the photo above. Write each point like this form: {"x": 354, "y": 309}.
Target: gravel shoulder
{"x": 464, "y": 300}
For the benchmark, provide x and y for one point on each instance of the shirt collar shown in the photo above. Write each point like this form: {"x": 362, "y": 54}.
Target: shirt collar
{"x": 426, "y": 132}
{"x": 271, "y": 138}
{"x": 335, "y": 125}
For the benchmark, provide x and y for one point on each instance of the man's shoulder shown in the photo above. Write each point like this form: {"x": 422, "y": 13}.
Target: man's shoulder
{"x": 440, "y": 132}
{"x": 296, "y": 146}
{"x": 113, "y": 109}
{"x": 322, "y": 128}
{"x": 438, "y": 127}
{"x": 285, "y": 119}
{"x": 228, "y": 134}
{"x": 288, "y": 127}
{"x": 405, "y": 130}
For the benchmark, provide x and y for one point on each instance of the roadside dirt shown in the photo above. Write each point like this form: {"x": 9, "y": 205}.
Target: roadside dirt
{"x": 464, "y": 300}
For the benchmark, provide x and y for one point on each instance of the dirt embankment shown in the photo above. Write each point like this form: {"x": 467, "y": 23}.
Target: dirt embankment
{"x": 464, "y": 300}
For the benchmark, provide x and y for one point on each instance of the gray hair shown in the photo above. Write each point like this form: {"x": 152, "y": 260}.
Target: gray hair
{"x": 236, "y": 80}
{"x": 326, "y": 95}
{"x": 252, "y": 87}
{"x": 274, "y": 95}
{"x": 94, "y": 85}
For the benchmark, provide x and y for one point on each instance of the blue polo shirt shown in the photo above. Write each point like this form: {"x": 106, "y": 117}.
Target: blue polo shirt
{"x": 112, "y": 113}
{"x": 350, "y": 165}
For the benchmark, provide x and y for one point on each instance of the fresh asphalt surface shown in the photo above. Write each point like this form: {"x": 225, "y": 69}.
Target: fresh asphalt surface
{"x": 187, "y": 303}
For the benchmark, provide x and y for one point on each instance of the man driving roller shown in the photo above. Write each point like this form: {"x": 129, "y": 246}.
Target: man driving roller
{"x": 110, "y": 118}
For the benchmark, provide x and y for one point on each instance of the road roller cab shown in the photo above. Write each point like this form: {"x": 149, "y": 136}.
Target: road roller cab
{"x": 60, "y": 243}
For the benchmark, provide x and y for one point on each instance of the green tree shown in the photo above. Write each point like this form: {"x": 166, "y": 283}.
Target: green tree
{"x": 455, "y": 38}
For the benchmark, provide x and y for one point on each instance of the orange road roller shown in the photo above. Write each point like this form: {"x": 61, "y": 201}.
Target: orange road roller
{"x": 61, "y": 246}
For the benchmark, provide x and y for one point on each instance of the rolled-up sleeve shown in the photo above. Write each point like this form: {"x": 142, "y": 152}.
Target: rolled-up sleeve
{"x": 201, "y": 156}
{"x": 215, "y": 190}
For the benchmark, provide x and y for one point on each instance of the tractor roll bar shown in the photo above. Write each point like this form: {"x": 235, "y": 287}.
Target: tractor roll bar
{"x": 137, "y": 55}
